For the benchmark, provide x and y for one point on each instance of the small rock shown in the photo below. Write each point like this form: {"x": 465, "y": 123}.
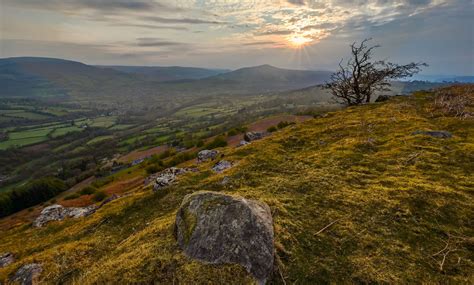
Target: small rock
{"x": 382, "y": 98}
{"x": 205, "y": 155}
{"x": 28, "y": 274}
{"x": 435, "y": 134}
{"x": 243, "y": 143}
{"x": 225, "y": 180}
{"x": 223, "y": 229}
{"x": 6, "y": 259}
{"x": 108, "y": 200}
{"x": 168, "y": 177}
{"x": 253, "y": 136}
{"x": 221, "y": 166}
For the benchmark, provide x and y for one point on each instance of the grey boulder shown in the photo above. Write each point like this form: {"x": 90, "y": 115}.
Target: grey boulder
{"x": 6, "y": 259}
{"x": 205, "y": 155}
{"x": 221, "y": 166}
{"x": 27, "y": 274}
{"x": 222, "y": 229}
{"x": 253, "y": 136}
{"x": 435, "y": 134}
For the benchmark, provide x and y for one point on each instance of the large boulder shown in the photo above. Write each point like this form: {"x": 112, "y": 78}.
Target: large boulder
{"x": 6, "y": 259}
{"x": 435, "y": 134}
{"x": 27, "y": 274}
{"x": 253, "y": 136}
{"x": 59, "y": 213}
{"x": 222, "y": 229}
{"x": 205, "y": 155}
{"x": 221, "y": 166}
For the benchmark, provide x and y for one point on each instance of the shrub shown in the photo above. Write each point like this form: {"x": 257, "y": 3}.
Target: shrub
{"x": 154, "y": 168}
{"x": 88, "y": 190}
{"x": 72, "y": 196}
{"x": 284, "y": 124}
{"x": 272, "y": 129}
{"x": 180, "y": 158}
{"x": 99, "y": 196}
{"x": 217, "y": 142}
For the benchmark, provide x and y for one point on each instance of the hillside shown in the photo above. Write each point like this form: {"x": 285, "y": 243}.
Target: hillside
{"x": 168, "y": 73}
{"x": 258, "y": 78}
{"x": 30, "y": 76}
{"x": 355, "y": 192}
{"x": 50, "y": 78}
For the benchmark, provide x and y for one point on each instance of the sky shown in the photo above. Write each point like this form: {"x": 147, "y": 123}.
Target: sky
{"x": 299, "y": 34}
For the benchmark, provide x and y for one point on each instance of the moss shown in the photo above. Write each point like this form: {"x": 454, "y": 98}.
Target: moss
{"x": 189, "y": 223}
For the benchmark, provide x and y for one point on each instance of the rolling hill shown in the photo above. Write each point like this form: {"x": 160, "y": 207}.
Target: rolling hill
{"x": 357, "y": 196}
{"x": 168, "y": 73}
{"x": 25, "y": 76}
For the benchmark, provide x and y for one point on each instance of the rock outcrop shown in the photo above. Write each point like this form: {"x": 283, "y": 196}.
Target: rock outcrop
{"x": 28, "y": 274}
{"x": 205, "y": 155}
{"x": 222, "y": 229}
{"x": 168, "y": 177}
{"x": 221, "y": 166}
{"x": 253, "y": 136}
{"x": 435, "y": 134}
{"x": 59, "y": 213}
{"x": 6, "y": 259}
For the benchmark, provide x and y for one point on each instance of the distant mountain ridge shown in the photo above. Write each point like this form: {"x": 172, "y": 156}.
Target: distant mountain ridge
{"x": 167, "y": 73}
{"x": 34, "y": 76}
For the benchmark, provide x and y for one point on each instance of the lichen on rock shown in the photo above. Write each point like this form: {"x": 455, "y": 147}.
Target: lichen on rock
{"x": 222, "y": 229}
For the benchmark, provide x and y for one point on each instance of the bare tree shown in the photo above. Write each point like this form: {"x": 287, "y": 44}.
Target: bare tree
{"x": 356, "y": 82}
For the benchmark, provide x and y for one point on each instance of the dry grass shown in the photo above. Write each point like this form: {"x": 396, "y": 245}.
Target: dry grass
{"x": 403, "y": 205}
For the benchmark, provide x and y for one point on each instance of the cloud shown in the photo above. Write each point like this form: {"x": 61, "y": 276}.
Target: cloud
{"x": 157, "y": 42}
{"x": 163, "y": 20}
{"x": 151, "y": 26}
{"x": 260, "y": 43}
{"x": 297, "y": 2}
{"x": 103, "y": 6}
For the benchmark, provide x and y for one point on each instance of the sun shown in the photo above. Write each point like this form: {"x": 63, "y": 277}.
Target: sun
{"x": 299, "y": 40}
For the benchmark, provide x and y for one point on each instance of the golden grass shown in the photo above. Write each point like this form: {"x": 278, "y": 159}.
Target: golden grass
{"x": 355, "y": 197}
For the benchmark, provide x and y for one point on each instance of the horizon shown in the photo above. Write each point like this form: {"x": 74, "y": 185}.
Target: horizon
{"x": 420, "y": 77}
{"x": 302, "y": 35}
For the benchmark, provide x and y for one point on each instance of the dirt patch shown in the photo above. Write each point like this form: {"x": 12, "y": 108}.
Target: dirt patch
{"x": 140, "y": 154}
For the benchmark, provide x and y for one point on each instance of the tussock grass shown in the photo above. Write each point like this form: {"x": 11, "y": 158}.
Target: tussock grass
{"x": 355, "y": 197}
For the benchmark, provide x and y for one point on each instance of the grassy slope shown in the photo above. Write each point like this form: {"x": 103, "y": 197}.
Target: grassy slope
{"x": 395, "y": 199}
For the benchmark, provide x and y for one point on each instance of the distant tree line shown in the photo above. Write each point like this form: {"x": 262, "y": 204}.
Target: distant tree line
{"x": 33, "y": 193}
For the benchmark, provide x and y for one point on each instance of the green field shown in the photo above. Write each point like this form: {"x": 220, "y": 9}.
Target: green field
{"x": 98, "y": 139}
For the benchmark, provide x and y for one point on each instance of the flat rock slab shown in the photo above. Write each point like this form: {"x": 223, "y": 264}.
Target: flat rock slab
{"x": 6, "y": 259}
{"x": 28, "y": 274}
{"x": 59, "y": 213}
{"x": 435, "y": 134}
{"x": 221, "y": 229}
